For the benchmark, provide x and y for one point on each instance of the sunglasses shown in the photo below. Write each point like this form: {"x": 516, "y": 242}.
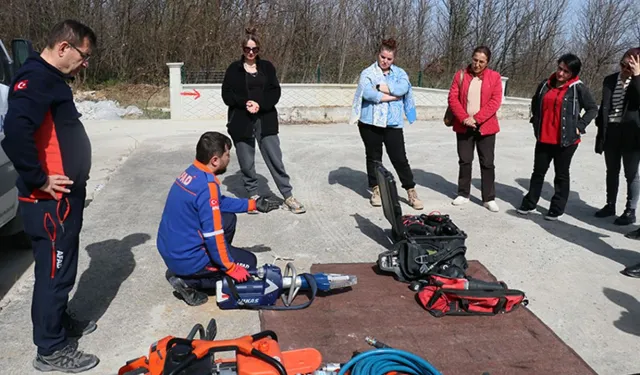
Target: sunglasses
{"x": 624, "y": 64}
{"x": 249, "y": 49}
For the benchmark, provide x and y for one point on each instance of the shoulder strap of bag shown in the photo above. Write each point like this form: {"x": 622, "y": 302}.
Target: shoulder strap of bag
{"x": 460, "y": 83}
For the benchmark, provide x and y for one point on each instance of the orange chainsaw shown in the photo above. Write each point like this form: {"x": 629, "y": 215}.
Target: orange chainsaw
{"x": 257, "y": 354}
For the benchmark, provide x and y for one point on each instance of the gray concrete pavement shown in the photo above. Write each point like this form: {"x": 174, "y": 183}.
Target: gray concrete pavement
{"x": 569, "y": 269}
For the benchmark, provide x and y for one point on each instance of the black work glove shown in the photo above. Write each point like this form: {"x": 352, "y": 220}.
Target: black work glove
{"x": 265, "y": 205}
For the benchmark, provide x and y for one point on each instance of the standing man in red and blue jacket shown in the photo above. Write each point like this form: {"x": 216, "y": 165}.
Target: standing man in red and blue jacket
{"x": 49, "y": 148}
{"x": 198, "y": 224}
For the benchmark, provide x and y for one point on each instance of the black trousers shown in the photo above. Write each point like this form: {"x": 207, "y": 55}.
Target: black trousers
{"x": 617, "y": 150}
{"x": 207, "y": 277}
{"x": 373, "y": 138}
{"x": 54, "y": 228}
{"x": 486, "y": 153}
{"x": 561, "y": 157}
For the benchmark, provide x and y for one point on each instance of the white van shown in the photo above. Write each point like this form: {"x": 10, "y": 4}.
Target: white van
{"x": 10, "y": 223}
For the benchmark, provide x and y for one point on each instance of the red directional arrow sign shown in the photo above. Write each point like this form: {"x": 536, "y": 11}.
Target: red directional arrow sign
{"x": 195, "y": 94}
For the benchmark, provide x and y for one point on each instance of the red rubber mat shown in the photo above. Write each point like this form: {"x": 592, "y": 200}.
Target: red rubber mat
{"x": 381, "y": 307}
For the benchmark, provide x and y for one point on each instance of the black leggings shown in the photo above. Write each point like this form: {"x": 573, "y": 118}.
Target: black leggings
{"x": 393, "y": 139}
{"x": 561, "y": 157}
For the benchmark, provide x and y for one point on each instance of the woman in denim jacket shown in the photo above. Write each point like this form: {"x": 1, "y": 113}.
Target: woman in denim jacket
{"x": 381, "y": 101}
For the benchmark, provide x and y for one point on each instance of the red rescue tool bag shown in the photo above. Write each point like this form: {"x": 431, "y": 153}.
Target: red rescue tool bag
{"x": 464, "y": 296}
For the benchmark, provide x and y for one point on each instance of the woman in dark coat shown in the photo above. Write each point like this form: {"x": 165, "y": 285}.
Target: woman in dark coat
{"x": 618, "y": 136}
{"x": 631, "y": 125}
{"x": 251, "y": 91}
{"x": 557, "y": 123}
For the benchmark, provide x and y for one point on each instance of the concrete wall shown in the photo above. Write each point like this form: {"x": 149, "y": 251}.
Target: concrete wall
{"x": 310, "y": 103}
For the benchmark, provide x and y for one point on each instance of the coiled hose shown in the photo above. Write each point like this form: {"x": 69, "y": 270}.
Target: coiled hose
{"x": 383, "y": 361}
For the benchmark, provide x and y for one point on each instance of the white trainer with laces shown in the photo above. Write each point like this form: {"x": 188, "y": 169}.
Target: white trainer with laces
{"x": 491, "y": 206}
{"x": 460, "y": 200}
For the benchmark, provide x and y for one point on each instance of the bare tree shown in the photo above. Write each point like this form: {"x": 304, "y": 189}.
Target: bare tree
{"x": 423, "y": 13}
{"x": 603, "y": 34}
{"x": 534, "y": 44}
{"x": 637, "y": 24}
{"x": 517, "y": 18}
{"x": 486, "y": 22}
{"x": 335, "y": 38}
{"x": 455, "y": 22}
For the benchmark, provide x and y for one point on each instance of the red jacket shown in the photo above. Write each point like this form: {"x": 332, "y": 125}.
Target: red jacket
{"x": 550, "y": 132}
{"x": 490, "y": 101}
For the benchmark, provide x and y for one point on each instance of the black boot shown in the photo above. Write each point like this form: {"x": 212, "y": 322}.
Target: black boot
{"x": 606, "y": 211}
{"x": 632, "y": 271}
{"x": 191, "y": 296}
{"x": 635, "y": 235}
{"x": 627, "y": 217}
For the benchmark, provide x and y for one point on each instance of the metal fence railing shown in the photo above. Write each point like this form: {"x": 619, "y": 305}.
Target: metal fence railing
{"x": 213, "y": 76}
{"x": 197, "y": 95}
{"x": 202, "y": 76}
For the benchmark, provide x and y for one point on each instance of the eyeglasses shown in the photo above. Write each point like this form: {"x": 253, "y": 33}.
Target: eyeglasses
{"x": 624, "y": 64}
{"x": 85, "y": 56}
{"x": 250, "y": 49}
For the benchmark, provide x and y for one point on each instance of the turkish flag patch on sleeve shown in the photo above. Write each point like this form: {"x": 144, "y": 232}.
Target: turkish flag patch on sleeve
{"x": 20, "y": 85}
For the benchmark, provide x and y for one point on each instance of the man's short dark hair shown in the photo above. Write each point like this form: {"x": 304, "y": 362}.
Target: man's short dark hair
{"x": 212, "y": 144}
{"x": 572, "y": 62}
{"x": 72, "y": 32}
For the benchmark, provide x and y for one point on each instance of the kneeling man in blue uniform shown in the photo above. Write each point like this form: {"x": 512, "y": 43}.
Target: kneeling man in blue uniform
{"x": 198, "y": 225}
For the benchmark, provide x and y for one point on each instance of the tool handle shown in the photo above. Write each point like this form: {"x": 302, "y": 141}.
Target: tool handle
{"x": 485, "y": 285}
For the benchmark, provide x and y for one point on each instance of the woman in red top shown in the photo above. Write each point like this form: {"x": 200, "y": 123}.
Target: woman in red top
{"x": 474, "y": 103}
{"x": 557, "y": 124}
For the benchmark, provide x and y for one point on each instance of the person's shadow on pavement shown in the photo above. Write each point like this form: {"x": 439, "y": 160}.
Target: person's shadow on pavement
{"x": 435, "y": 182}
{"x": 112, "y": 262}
{"x": 510, "y": 194}
{"x": 351, "y": 179}
{"x": 585, "y": 238}
{"x": 577, "y": 208}
{"x": 235, "y": 186}
{"x": 374, "y": 232}
{"x": 628, "y": 321}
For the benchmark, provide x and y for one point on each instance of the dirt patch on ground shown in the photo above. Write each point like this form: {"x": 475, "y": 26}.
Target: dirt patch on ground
{"x": 142, "y": 96}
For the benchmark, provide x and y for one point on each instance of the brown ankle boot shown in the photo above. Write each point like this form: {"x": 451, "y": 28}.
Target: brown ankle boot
{"x": 375, "y": 200}
{"x": 414, "y": 201}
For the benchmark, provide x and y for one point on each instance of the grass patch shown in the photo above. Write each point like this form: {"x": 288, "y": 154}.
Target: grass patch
{"x": 143, "y": 96}
{"x": 156, "y": 114}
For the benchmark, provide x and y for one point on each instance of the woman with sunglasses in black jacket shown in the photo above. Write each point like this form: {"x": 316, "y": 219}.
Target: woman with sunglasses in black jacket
{"x": 251, "y": 91}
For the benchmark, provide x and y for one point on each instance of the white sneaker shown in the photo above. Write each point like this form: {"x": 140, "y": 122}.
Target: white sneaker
{"x": 460, "y": 200}
{"x": 491, "y": 206}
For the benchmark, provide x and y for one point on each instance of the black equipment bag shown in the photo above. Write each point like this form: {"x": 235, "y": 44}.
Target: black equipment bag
{"x": 423, "y": 244}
